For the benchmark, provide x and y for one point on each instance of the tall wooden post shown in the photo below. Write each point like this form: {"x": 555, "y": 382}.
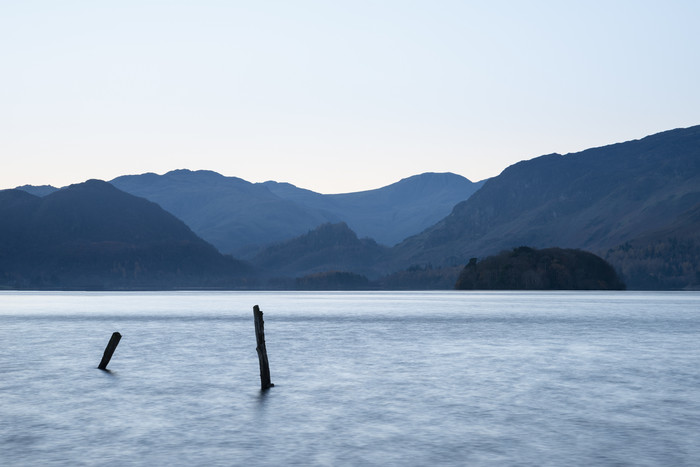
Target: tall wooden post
{"x": 261, "y": 349}
{"x": 109, "y": 350}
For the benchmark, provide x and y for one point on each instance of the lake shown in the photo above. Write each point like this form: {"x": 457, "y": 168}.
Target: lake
{"x": 361, "y": 378}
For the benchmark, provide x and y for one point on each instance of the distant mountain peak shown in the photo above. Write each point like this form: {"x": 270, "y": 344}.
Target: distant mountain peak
{"x": 201, "y": 174}
{"x": 188, "y": 172}
{"x": 37, "y": 190}
{"x": 240, "y": 217}
{"x": 435, "y": 176}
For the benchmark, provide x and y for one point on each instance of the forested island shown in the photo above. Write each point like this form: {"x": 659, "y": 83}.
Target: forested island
{"x": 526, "y": 268}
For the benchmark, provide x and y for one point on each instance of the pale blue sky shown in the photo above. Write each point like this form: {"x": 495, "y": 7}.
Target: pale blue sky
{"x": 333, "y": 96}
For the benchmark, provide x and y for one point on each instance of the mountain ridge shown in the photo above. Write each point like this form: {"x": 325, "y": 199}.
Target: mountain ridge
{"x": 233, "y": 214}
{"x": 93, "y": 236}
{"x": 635, "y": 204}
{"x": 595, "y": 200}
{"x": 241, "y": 218}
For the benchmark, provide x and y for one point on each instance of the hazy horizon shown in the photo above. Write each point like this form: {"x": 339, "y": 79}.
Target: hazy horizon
{"x": 304, "y": 187}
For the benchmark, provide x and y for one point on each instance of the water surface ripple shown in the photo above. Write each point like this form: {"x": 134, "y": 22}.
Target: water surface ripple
{"x": 412, "y": 378}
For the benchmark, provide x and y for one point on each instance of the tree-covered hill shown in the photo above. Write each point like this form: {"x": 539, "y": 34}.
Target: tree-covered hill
{"x": 525, "y": 268}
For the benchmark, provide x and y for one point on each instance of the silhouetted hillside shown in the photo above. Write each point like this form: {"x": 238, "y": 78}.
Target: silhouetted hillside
{"x": 595, "y": 200}
{"x": 391, "y": 213}
{"x": 240, "y": 217}
{"x": 236, "y": 216}
{"x": 38, "y": 190}
{"x": 635, "y": 204}
{"x": 526, "y": 268}
{"x": 330, "y": 247}
{"x": 93, "y": 236}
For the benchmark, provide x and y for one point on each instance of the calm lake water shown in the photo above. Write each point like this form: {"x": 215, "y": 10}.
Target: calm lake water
{"x": 437, "y": 378}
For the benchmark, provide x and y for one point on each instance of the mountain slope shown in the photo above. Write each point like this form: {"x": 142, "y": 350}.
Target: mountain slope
{"x": 92, "y": 235}
{"x": 593, "y": 200}
{"x": 240, "y": 217}
{"x": 391, "y": 213}
{"x": 38, "y": 190}
{"x": 329, "y": 247}
{"x": 668, "y": 258}
{"x": 236, "y": 216}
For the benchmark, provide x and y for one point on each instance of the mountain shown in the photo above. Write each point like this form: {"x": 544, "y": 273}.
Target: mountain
{"x": 664, "y": 259}
{"x": 329, "y": 247}
{"x": 525, "y": 268}
{"x": 332, "y": 257}
{"x": 635, "y": 204}
{"x": 94, "y": 236}
{"x": 391, "y": 213}
{"x": 635, "y": 193}
{"x": 236, "y": 216}
{"x": 240, "y": 217}
{"x": 38, "y": 190}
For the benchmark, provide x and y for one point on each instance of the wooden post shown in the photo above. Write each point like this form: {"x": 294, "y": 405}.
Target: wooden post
{"x": 109, "y": 350}
{"x": 261, "y": 349}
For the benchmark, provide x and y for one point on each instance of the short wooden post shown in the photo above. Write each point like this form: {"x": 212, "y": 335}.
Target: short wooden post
{"x": 261, "y": 349}
{"x": 109, "y": 350}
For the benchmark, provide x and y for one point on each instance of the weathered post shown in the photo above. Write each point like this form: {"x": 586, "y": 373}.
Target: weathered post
{"x": 109, "y": 350}
{"x": 261, "y": 349}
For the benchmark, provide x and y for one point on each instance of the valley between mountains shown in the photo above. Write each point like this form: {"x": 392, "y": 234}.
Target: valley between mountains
{"x": 635, "y": 204}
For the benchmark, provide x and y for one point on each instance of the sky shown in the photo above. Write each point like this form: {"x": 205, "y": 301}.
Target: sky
{"x": 333, "y": 96}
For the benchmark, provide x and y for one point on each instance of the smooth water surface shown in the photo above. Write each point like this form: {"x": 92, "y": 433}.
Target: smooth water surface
{"x": 412, "y": 378}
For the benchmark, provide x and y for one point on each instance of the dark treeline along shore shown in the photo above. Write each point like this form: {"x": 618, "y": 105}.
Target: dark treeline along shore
{"x": 635, "y": 205}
